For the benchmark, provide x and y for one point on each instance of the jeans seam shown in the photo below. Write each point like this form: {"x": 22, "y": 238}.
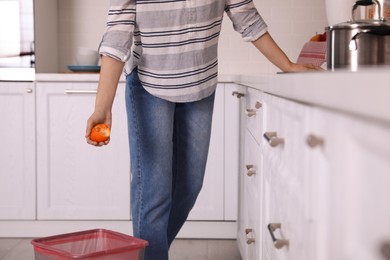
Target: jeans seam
{"x": 139, "y": 167}
{"x": 174, "y": 176}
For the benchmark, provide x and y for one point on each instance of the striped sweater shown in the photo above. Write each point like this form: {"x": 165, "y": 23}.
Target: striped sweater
{"x": 174, "y": 42}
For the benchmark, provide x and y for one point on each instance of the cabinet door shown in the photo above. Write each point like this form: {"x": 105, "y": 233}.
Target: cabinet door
{"x": 324, "y": 151}
{"x": 76, "y": 180}
{"x": 17, "y": 167}
{"x": 251, "y": 192}
{"x": 350, "y": 175}
{"x": 253, "y": 195}
{"x": 363, "y": 179}
{"x": 234, "y": 129}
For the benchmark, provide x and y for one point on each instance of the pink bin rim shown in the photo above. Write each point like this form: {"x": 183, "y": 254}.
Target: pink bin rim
{"x": 44, "y": 244}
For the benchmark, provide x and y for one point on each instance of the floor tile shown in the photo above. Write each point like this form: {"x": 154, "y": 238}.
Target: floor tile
{"x": 188, "y": 250}
{"x": 223, "y": 250}
{"x": 23, "y": 250}
{"x": 7, "y": 245}
{"x": 181, "y": 249}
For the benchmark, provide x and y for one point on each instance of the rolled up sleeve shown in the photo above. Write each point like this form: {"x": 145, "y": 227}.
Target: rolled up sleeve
{"x": 246, "y": 19}
{"x": 118, "y": 37}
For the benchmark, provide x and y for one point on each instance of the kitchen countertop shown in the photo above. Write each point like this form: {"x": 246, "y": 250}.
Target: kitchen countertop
{"x": 365, "y": 93}
{"x": 17, "y": 74}
{"x": 65, "y": 77}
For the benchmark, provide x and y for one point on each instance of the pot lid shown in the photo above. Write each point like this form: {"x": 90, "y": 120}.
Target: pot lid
{"x": 360, "y": 24}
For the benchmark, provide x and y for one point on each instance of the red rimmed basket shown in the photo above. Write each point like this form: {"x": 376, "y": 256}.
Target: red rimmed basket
{"x": 96, "y": 244}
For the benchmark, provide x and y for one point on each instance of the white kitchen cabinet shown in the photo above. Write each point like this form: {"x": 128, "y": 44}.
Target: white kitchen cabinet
{"x": 366, "y": 209}
{"x": 278, "y": 201}
{"x": 354, "y": 202}
{"x": 76, "y": 180}
{"x": 17, "y": 155}
{"x": 51, "y": 173}
{"x": 324, "y": 186}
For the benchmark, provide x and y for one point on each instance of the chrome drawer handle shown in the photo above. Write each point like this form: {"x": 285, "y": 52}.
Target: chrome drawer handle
{"x": 314, "y": 141}
{"x": 249, "y": 240}
{"x": 278, "y": 243}
{"x": 251, "y": 170}
{"x": 251, "y": 112}
{"x": 80, "y": 91}
{"x": 385, "y": 248}
{"x": 273, "y": 139}
{"x": 238, "y": 94}
{"x": 29, "y": 90}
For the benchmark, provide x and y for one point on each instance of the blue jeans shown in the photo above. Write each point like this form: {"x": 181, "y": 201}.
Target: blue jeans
{"x": 168, "y": 150}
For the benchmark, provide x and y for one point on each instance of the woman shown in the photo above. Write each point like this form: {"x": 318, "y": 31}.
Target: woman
{"x": 168, "y": 51}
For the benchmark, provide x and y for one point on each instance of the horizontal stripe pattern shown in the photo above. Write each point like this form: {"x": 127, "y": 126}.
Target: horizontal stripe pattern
{"x": 174, "y": 43}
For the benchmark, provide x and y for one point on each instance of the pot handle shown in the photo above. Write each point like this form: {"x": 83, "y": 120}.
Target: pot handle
{"x": 366, "y": 3}
{"x": 376, "y": 31}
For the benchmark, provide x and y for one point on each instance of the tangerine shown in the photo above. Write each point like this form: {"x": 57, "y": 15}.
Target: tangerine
{"x": 100, "y": 133}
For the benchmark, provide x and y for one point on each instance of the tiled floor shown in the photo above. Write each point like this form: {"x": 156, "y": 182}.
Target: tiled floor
{"x": 182, "y": 249}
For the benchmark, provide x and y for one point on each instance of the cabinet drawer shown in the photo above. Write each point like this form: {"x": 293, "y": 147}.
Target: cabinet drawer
{"x": 253, "y": 230}
{"x": 287, "y": 123}
{"x": 283, "y": 207}
{"x": 252, "y": 169}
{"x": 361, "y": 181}
{"x": 254, "y": 113}
{"x": 287, "y": 189}
{"x": 252, "y": 196}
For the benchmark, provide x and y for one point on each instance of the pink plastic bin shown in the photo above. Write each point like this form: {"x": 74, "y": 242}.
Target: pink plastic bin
{"x": 96, "y": 244}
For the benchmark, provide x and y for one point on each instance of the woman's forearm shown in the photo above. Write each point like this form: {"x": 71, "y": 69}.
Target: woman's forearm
{"x": 110, "y": 73}
{"x": 268, "y": 47}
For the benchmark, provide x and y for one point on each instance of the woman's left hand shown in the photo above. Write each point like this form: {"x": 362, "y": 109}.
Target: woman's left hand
{"x": 295, "y": 67}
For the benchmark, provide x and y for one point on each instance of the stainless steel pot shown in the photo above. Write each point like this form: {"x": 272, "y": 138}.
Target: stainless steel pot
{"x": 354, "y": 44}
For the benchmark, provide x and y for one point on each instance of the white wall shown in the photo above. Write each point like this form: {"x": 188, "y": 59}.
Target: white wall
{"x": 291, "y": 23}
{"x": 46, "y": 36}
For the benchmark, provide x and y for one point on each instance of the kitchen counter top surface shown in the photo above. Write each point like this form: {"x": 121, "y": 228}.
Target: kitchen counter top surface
{"x": 365, "y": 93}
{"x": 67, "y": 77}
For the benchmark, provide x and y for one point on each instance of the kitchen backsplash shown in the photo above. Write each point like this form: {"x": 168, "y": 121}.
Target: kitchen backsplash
{"x": 81, "y": 23}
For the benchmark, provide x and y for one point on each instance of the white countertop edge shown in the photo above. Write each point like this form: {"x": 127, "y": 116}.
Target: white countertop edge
{"x": 65, "y": 77}
{"x": 365, "y": 93}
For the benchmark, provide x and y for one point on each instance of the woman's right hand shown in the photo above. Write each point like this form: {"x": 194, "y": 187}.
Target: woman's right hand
{"x": 94, "y": 119}
{"x": 110, "y": 72}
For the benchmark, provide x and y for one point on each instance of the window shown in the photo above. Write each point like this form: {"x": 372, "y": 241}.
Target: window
{"x": 16, "y": 33}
